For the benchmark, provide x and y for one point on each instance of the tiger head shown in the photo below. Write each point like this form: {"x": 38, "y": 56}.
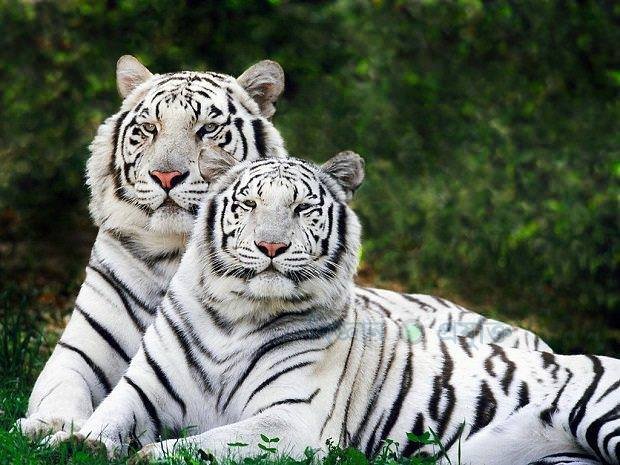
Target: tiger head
{"x": 144, "y": 171}
{"x": 278, "y": 233}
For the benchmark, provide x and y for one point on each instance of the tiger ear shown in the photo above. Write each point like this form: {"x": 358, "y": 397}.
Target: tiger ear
{"x": 347, "y": 168}
{"x": 264, "y": 82}
{"x": 214, "y": 162}
{"x": 130, "y": 73}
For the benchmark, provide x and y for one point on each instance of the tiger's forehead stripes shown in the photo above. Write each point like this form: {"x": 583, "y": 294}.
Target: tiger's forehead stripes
{"x": 188, "y": 90}
{"x": 299, "y": 181}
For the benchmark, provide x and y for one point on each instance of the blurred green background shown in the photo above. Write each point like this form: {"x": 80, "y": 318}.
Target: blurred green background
{"x": 491, "y": 132}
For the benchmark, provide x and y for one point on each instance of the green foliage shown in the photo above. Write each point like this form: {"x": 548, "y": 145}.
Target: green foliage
{"x": 491, "y": 131}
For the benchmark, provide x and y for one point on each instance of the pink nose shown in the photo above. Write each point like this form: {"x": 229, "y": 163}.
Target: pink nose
{"x": 272, "y": 249}
{"x": 167, "y": 179}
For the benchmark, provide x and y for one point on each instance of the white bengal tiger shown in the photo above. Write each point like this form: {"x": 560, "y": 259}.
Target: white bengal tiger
{"x": 145, "y": 181}
{"x": 261, "y": 332}
{"x": 146, "y": 186}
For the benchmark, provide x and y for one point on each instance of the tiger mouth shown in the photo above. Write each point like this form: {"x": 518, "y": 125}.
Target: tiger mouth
{"x": 170, "y": 204}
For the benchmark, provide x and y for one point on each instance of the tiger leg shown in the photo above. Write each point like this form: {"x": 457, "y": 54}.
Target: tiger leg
{"x": 290, "y": 424}
{"x": 64, "y": 405}
{"x": 567, "y": 459}
{"x": 590, "y": 409}
{"x": 521, "y": 439}
{"x": 104, "y": 332}
{"x": 152, "y": 398}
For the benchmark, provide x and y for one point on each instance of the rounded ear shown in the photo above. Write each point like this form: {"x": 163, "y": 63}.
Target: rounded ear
{"x": 214, "y": 162}
{"x": 130, "y": 73}
{"x": 264, "y": 82}
{"x": 348, "y": 169}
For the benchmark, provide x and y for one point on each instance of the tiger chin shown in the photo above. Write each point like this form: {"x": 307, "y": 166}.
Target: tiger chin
{"x": 220, "y": 359}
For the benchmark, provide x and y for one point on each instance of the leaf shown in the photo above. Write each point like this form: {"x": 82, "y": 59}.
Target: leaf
{"x": 355, "y": 456}
{"x": 237, "y": 444}
{"x": 207, "y": 456}
{"x": 421, "y": 439}
{"x": 272, "y": 450}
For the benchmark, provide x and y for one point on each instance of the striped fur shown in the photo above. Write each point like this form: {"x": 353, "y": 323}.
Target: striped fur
{"x": 143, "y": 230}
{"x": 245, "y": 344}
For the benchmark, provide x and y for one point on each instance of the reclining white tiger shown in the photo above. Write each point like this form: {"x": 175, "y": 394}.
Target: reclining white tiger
{"x": 261, "y": 332}
{"x": 146, "y": 185}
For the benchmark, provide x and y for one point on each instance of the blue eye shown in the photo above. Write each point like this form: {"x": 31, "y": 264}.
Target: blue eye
{"x": 303, "y": 206}
{"x": 206, "y": 129}
{"x": 149, "y": 127}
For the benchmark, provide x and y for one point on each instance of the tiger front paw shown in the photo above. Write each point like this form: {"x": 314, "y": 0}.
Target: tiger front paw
{"x": 95, "y": 444}
{"x": 36, "y": 426}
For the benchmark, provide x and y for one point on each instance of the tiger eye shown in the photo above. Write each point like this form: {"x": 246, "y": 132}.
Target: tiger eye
{"x": 249, "y": 203}
{"x": 302, "y": 206}
{"x": 149, "y": 127}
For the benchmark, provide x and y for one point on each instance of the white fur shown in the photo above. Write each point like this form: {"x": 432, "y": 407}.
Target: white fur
{"x": 237, "y": 365}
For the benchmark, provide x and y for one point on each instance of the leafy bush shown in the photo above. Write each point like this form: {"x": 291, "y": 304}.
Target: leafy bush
{"x": 491, "y": 130}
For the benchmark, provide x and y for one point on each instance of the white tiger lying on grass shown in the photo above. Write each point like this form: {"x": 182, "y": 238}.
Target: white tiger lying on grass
{"x": 146, "y": 185}
{"x": 261, "y": 332}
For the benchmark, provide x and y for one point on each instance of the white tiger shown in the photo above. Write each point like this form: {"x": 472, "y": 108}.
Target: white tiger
{"x": 145, "y": 190}
{"x": 261, "y": 332}
{"x": 145, "y": 181}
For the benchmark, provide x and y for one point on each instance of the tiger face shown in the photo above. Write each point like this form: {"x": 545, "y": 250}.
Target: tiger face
{"x": 280, "y": 232}
{"x": 144, "y": 171}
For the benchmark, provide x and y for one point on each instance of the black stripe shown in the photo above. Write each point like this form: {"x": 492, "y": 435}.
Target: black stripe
{"x": 609, "y": 390}
{"x": 239, "y": 125}
{"x": 334, "y": 259}
{"x": 282, "y": 316}
{"x": 259, "y": 137}
{"x": 524, "y": 395}
{"x": 128, "y": 309}
{"x": 345, "y": 436}
{"x": 476, "y": 331}
{"x": 296, "y": 336}
{"x": 99, "y": 373}
{"x": 564, "y": 458}
{"x": 148, "y": 405}
{"x": 441, "y": 387}
{"x": 224, "y": 325}
{"x": 506, "y": 380}
{"x": 104, "y": 333}
{"x": 405, "y": 384}
{"x": 342, "y": 373}
{"x": 377, "y": 385}
{"x": 418, "y": 430}
{"x": 548, "y": 360}
{"x": 371, "y": 439}
{"x": 128, "y": 291}
{"x": 547, "y": 414}
{"x": 115, "y": 136}
{"x": 290, "y": 401}
{"x": 163, "y": 379}
{"x": 187, "y": 351}
{"x": 593, "y": 431}
{"x": 465, "y": 346}
{"x": 422, "y": 304}
{"x": 486, "y": 407}
{"x": 272, "y": 378}
{"x": 579, "y": 411}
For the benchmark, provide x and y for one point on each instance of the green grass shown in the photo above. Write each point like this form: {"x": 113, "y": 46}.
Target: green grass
{"x": 24, "y": 348}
